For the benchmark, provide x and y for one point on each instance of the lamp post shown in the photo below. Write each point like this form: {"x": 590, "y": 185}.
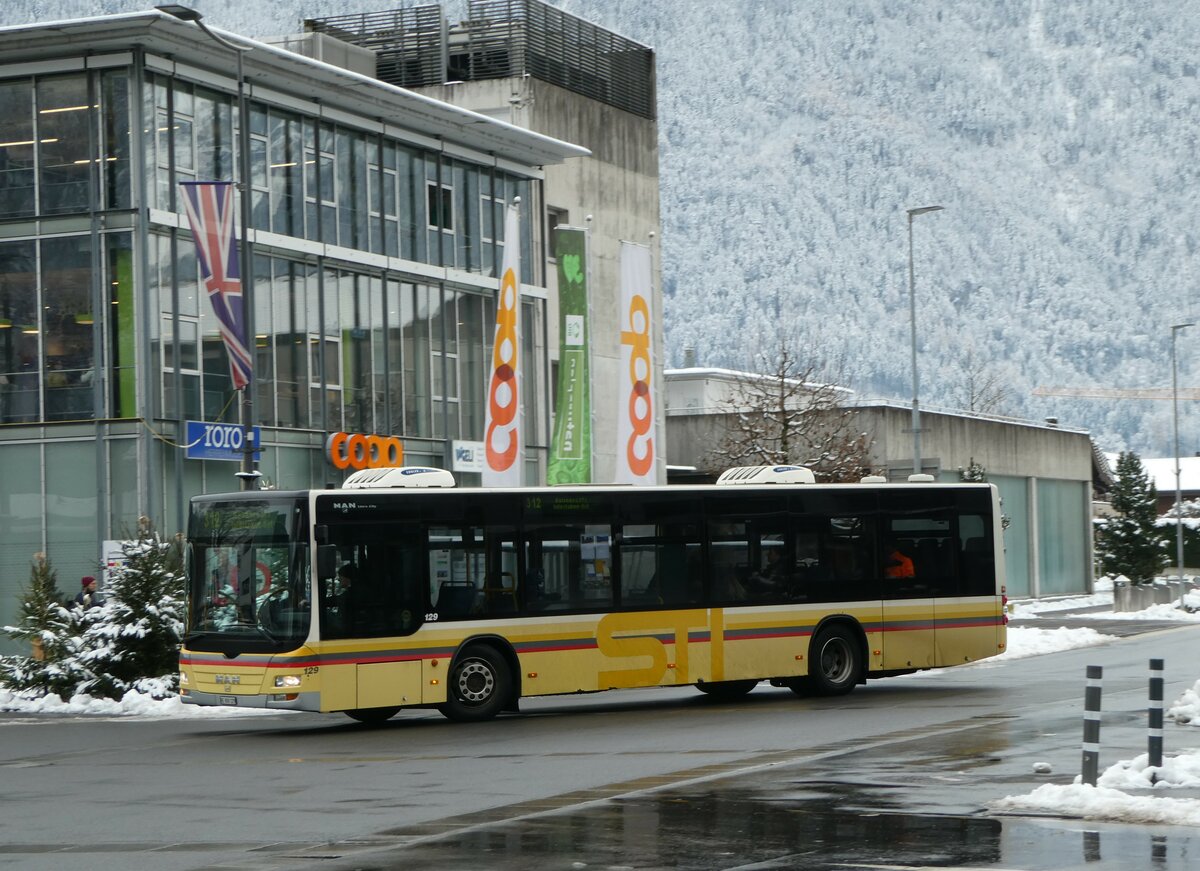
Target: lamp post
{"x": 1175, "y": 328}
{"x": 912, "y": 308}
{"x": 248, "y": 474}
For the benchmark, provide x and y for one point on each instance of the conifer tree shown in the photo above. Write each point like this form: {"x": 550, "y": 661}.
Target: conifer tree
{"x": 52, "y": 632}
{"x": 1130, "y": 543}
{"x": 134, "y": 642}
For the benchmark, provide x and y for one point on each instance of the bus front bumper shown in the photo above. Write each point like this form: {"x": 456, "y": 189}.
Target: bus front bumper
{"x": 275, "y": 701}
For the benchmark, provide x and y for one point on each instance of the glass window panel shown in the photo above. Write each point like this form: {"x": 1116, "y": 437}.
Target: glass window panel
{"x": 17, "y": 148}
{"x": 415, "y": 327}
{"x": 1062, "y": 525}
{"x": 63, "y": 113}
{"x": 19, "y": 368}
{"x": 659, "y": 552}
{"x": 568, "y": 566}
{"x": 263, "y": 383}
{"x": 289, "y": 329}
{"x": 473, "y": 361}
{"x": 22, "y": 529}
{"x": 1014, "y": 502}
{"x": 122, "y": 345}
{"x": 72, "y": 504}
{"x": 378, "y": 348}
{"x": 356, "y": 350}
{"x": 123, "y": 478}
{"x": 116, "y": 165}
{"x": 68, "y": 325}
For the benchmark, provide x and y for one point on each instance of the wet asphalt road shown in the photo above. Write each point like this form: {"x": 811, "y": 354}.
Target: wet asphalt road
{"x": 897, "y": 775}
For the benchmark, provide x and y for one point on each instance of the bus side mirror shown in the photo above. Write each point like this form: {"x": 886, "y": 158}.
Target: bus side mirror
{"x": 327, "y": 561}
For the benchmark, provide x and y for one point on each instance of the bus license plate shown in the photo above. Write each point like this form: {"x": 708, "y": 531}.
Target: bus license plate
{"x": 228, "y": 700}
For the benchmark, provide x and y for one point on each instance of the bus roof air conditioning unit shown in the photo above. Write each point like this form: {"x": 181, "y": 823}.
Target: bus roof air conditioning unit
{"x": 403, "y": 476}
{"x": 766, "y": 475}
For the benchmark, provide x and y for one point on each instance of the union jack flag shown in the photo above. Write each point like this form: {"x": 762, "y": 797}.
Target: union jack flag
{"x": 210, "y": 211}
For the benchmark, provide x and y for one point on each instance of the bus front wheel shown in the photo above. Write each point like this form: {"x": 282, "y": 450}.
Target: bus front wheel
{"x": 479, "y": 686}
{"x": 834, "y": 662}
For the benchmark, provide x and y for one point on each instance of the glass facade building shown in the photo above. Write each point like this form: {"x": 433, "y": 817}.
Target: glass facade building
{"x": 377, "y": 232}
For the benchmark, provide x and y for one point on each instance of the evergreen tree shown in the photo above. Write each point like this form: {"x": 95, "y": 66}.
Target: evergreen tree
{"x": 51, "y": 630}
{"x": 1131, "y": 544}
{"x": 133, "y": 643}
{"x": 974, "y": 473}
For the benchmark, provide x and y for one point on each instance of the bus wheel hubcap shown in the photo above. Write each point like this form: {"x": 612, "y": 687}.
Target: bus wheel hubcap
{"x": 835, "y": 661}
{"x": 475, "y": 682}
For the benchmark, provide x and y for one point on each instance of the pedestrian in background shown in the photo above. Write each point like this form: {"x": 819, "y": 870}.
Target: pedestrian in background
{"x": 88, "y": 597}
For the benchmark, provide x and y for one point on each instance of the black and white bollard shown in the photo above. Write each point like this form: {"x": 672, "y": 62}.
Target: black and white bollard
{"x": 1091, "y": 725}
{"x": 1156, "y": 713}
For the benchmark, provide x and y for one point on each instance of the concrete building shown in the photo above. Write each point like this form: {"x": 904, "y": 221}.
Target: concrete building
{"x": 1045, "y": 473}
{"x": 376, "y": 229}
{"x": 536, "y": 67}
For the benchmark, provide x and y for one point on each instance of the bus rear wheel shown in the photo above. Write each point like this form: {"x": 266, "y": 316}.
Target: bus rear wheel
{"x": 372, "y": 716}
{"x": 834, "y": 662}
{"x": 727, "y": 690}
{"x": 480, "y": 684}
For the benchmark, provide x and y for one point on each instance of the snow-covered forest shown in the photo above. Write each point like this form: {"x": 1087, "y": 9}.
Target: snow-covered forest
{"x": 1060, "y": 137}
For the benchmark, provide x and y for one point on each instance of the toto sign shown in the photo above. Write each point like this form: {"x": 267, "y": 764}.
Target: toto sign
{"x": 357, "y": 451}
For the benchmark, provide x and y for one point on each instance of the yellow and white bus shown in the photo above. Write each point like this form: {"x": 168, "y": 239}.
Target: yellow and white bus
{"x": 399, "y": 591}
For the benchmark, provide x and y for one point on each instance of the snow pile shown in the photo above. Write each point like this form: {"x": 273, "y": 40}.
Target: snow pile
{"x": 1026, "y": 641}
{"x": 1108, "y": 799}
{"x": 1103, "y": 803}
{"x": 133, "y": 704}
{"x": 1186, "y": 709}
{"x": 1137, "y": 773}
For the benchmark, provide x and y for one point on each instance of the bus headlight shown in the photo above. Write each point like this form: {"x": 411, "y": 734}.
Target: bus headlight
{"x": 183, "y": 678}
{"x": 288, "y": 680}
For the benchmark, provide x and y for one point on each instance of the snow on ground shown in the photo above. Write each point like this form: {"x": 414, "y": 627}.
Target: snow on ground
{"x": 1026, "y": 641}
{"x": 134, "y": 705}
{"x": 1132, "y": 791}
{"x": 1186, "y": 709}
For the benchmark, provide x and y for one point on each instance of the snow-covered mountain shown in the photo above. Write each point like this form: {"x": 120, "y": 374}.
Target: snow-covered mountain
{"x": 1061, "y": 138}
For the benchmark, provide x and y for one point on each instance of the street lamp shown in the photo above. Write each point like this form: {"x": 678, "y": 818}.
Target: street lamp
{"x": 1175, "y": 328}
{"x": 912, "y": 308}
{"x": 248, "y": 474}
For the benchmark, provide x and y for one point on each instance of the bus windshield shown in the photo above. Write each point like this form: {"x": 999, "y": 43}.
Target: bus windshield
{"x": 248, "y": 574}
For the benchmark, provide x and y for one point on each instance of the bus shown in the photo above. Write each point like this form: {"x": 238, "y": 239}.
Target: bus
{"x": 398, "y": 590}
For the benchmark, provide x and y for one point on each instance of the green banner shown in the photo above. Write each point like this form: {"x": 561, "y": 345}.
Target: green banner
{"x": 571, "y": 448}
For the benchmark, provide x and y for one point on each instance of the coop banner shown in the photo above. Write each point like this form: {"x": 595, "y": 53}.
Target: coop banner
{"x": 503, "y": 438}
{"x": 571, "y": 448}
{"x": 635, "y": 379}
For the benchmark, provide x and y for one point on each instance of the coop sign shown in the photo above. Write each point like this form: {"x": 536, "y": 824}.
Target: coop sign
{"x": 218, "y": 441}
{"x": 358, "y": 451}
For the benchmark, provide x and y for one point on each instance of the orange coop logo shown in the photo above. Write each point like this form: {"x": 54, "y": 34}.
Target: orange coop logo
{"x": 503, "y": 400}
{"x": 357, "y": 451}
{"x": 641, "y": 411}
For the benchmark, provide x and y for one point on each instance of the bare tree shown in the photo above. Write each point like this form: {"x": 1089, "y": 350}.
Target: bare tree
{"x": 981, "y": 388}
{"x": 791, "y": 415}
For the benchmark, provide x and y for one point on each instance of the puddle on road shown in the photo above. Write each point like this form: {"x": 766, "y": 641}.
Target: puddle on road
{"x": 810, "y": 830}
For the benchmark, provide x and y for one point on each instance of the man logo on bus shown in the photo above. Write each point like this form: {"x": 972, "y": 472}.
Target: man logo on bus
{"x": 641, "y": 411}
{"x": 502, "y": 392}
